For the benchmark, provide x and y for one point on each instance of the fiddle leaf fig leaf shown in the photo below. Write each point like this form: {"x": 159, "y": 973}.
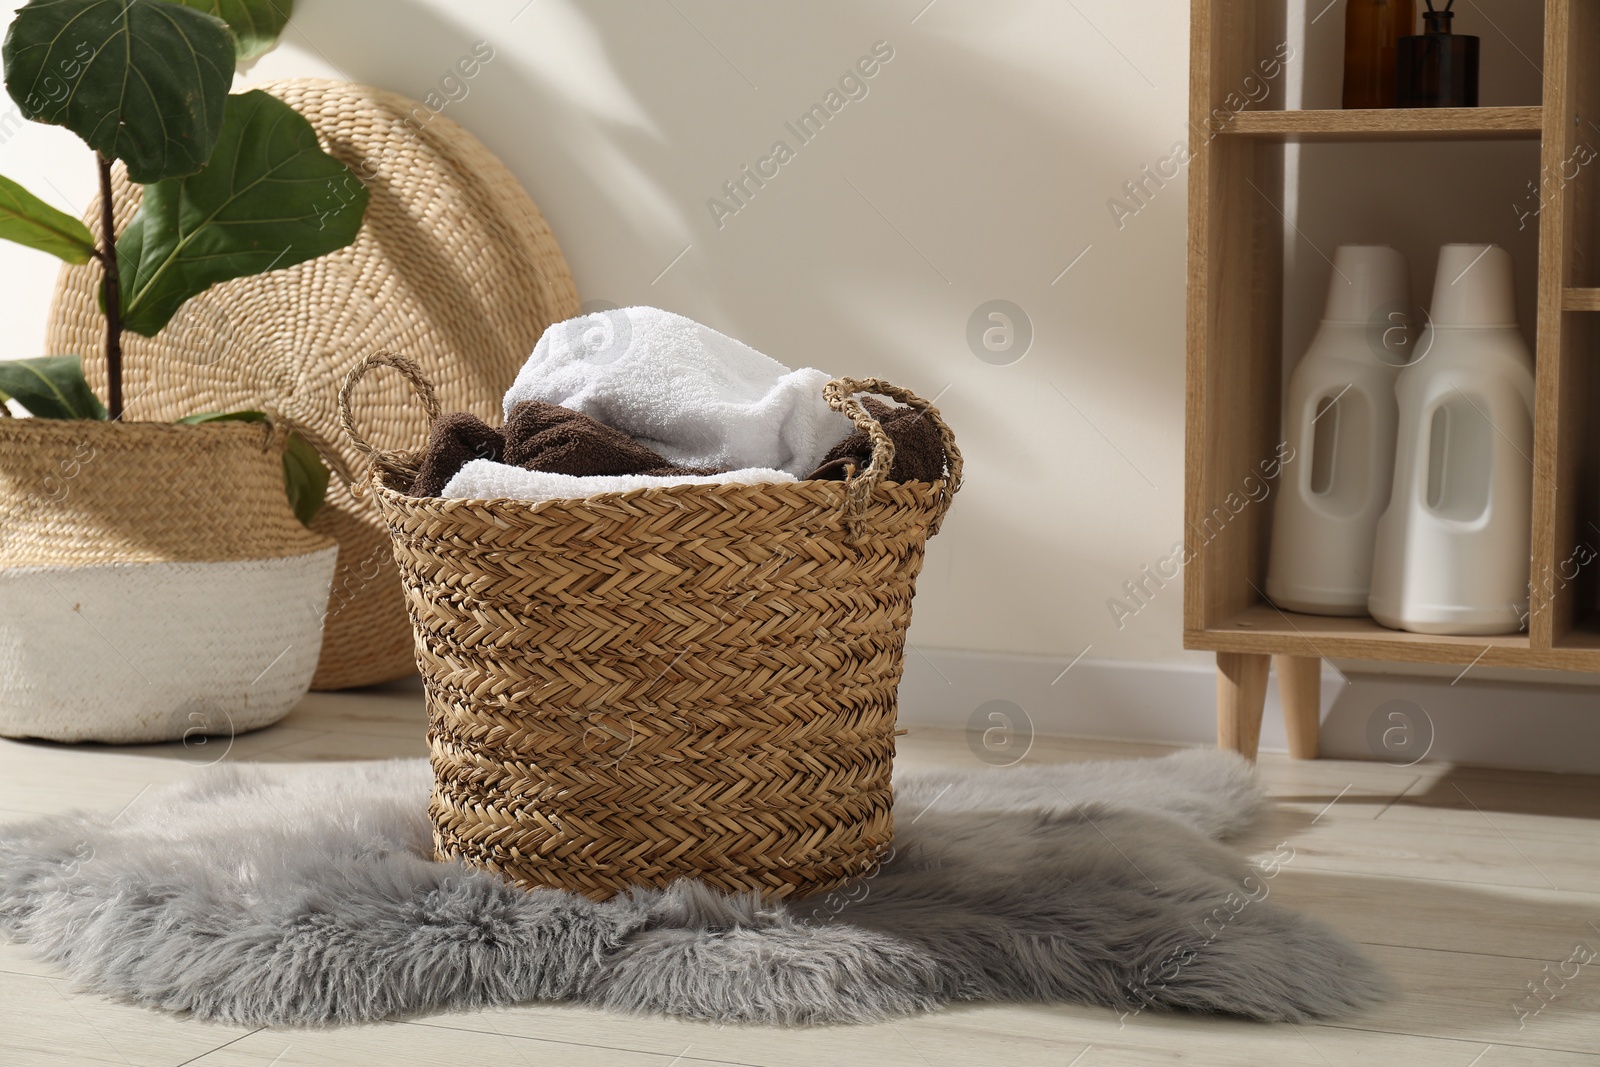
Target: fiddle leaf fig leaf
{"x": 305, "y": 476}
{"x": 27, "y": 220}
{"x": 203, "y": 417}
{"x": 143, "y": 81}
{"x": 256, "y": 24}
{"x": 270, "y": 198}
{"x": 50, "y": 387}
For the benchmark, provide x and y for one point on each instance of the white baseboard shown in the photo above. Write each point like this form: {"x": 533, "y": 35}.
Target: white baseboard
{"x": 1386, "y": 717}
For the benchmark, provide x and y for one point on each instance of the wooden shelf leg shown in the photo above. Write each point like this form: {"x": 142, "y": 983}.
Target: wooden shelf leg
{"x": 1300, "y": 687}
{"x": 1241, "y": 698}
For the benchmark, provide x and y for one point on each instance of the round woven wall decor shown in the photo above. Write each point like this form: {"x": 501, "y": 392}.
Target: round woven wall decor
{"x": 455, "y": 267}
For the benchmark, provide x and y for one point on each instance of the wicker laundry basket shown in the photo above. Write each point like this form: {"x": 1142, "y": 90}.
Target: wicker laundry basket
{"x": 689, "y": 681}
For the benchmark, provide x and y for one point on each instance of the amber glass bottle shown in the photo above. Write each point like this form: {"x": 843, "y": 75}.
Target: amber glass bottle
{"x": 1371, "y": 28}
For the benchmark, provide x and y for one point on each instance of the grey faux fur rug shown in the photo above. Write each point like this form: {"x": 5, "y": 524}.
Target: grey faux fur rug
{"x": 268, "y": 897}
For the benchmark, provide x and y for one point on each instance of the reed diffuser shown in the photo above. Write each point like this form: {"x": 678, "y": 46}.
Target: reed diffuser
{"x": 1438, "y": 68}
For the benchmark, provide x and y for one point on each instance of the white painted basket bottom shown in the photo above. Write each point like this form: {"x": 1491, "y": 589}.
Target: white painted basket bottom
{"x": 125, "y": 652}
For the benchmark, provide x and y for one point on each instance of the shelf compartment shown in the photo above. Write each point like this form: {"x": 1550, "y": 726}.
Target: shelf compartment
{"x": 1392, "y": 124}
{"x": 1263, "y": 629}
{"x": 1584, "y": 637}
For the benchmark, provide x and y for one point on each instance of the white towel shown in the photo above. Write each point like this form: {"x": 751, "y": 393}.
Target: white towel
{"x": 697, "y": 397}
{"x": 484, "y": 479}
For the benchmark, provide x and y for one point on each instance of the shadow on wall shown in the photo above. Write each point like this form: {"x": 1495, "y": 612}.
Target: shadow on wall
{"x": 1406, "y": 721}
{"x": 631, "y": 130}
{"x": 977, "y": 166}
{"x": 619, "y": 146}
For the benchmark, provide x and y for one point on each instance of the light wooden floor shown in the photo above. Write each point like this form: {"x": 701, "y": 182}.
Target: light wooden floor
{"x": 1465, "y": 883}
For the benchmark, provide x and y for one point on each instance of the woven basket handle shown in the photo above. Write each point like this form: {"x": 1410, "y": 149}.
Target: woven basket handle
{"x": 402, "y": 463}
{"x": 841, "y": 396}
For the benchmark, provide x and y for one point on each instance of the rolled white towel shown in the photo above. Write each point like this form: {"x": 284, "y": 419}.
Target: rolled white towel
{"x": 484, "y": 479}
{"x": 696, "y": 396}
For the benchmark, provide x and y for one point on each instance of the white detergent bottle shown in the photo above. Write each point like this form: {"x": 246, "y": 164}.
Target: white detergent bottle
{"x": 1452, "y": 548}
{"x": 1340, "y": 421}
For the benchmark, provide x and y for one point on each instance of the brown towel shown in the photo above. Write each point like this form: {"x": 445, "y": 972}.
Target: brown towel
{"x": 456, "y": 438}
{"x": 537, "y": 437}
{"x": 546, "y": 437}
{"x": 918, "y": 453}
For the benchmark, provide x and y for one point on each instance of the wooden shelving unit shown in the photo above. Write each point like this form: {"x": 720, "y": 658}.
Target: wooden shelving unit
{"x": 1235, "y": 364}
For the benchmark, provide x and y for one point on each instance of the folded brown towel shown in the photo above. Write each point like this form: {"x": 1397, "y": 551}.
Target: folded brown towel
{"x": 918, "y": 452}
{"x": 558, "y": 440}
{"x": 457, "y": 437}
{"x": 537, "y": 437}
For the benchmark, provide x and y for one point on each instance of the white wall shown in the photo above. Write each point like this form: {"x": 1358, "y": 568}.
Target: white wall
{"x": 977, "y": 167}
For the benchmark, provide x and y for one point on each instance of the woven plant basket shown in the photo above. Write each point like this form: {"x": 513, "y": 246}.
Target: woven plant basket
{"x": 689, "y": 681}
{"x": 154, "y": 583}
{"x": 454, "y": 263}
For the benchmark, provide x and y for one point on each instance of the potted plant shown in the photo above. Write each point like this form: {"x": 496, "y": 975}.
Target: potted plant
{"x": 157, "y": 580}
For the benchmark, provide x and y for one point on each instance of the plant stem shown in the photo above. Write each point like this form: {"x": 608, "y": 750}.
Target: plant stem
{"x": 111, "y": 288}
